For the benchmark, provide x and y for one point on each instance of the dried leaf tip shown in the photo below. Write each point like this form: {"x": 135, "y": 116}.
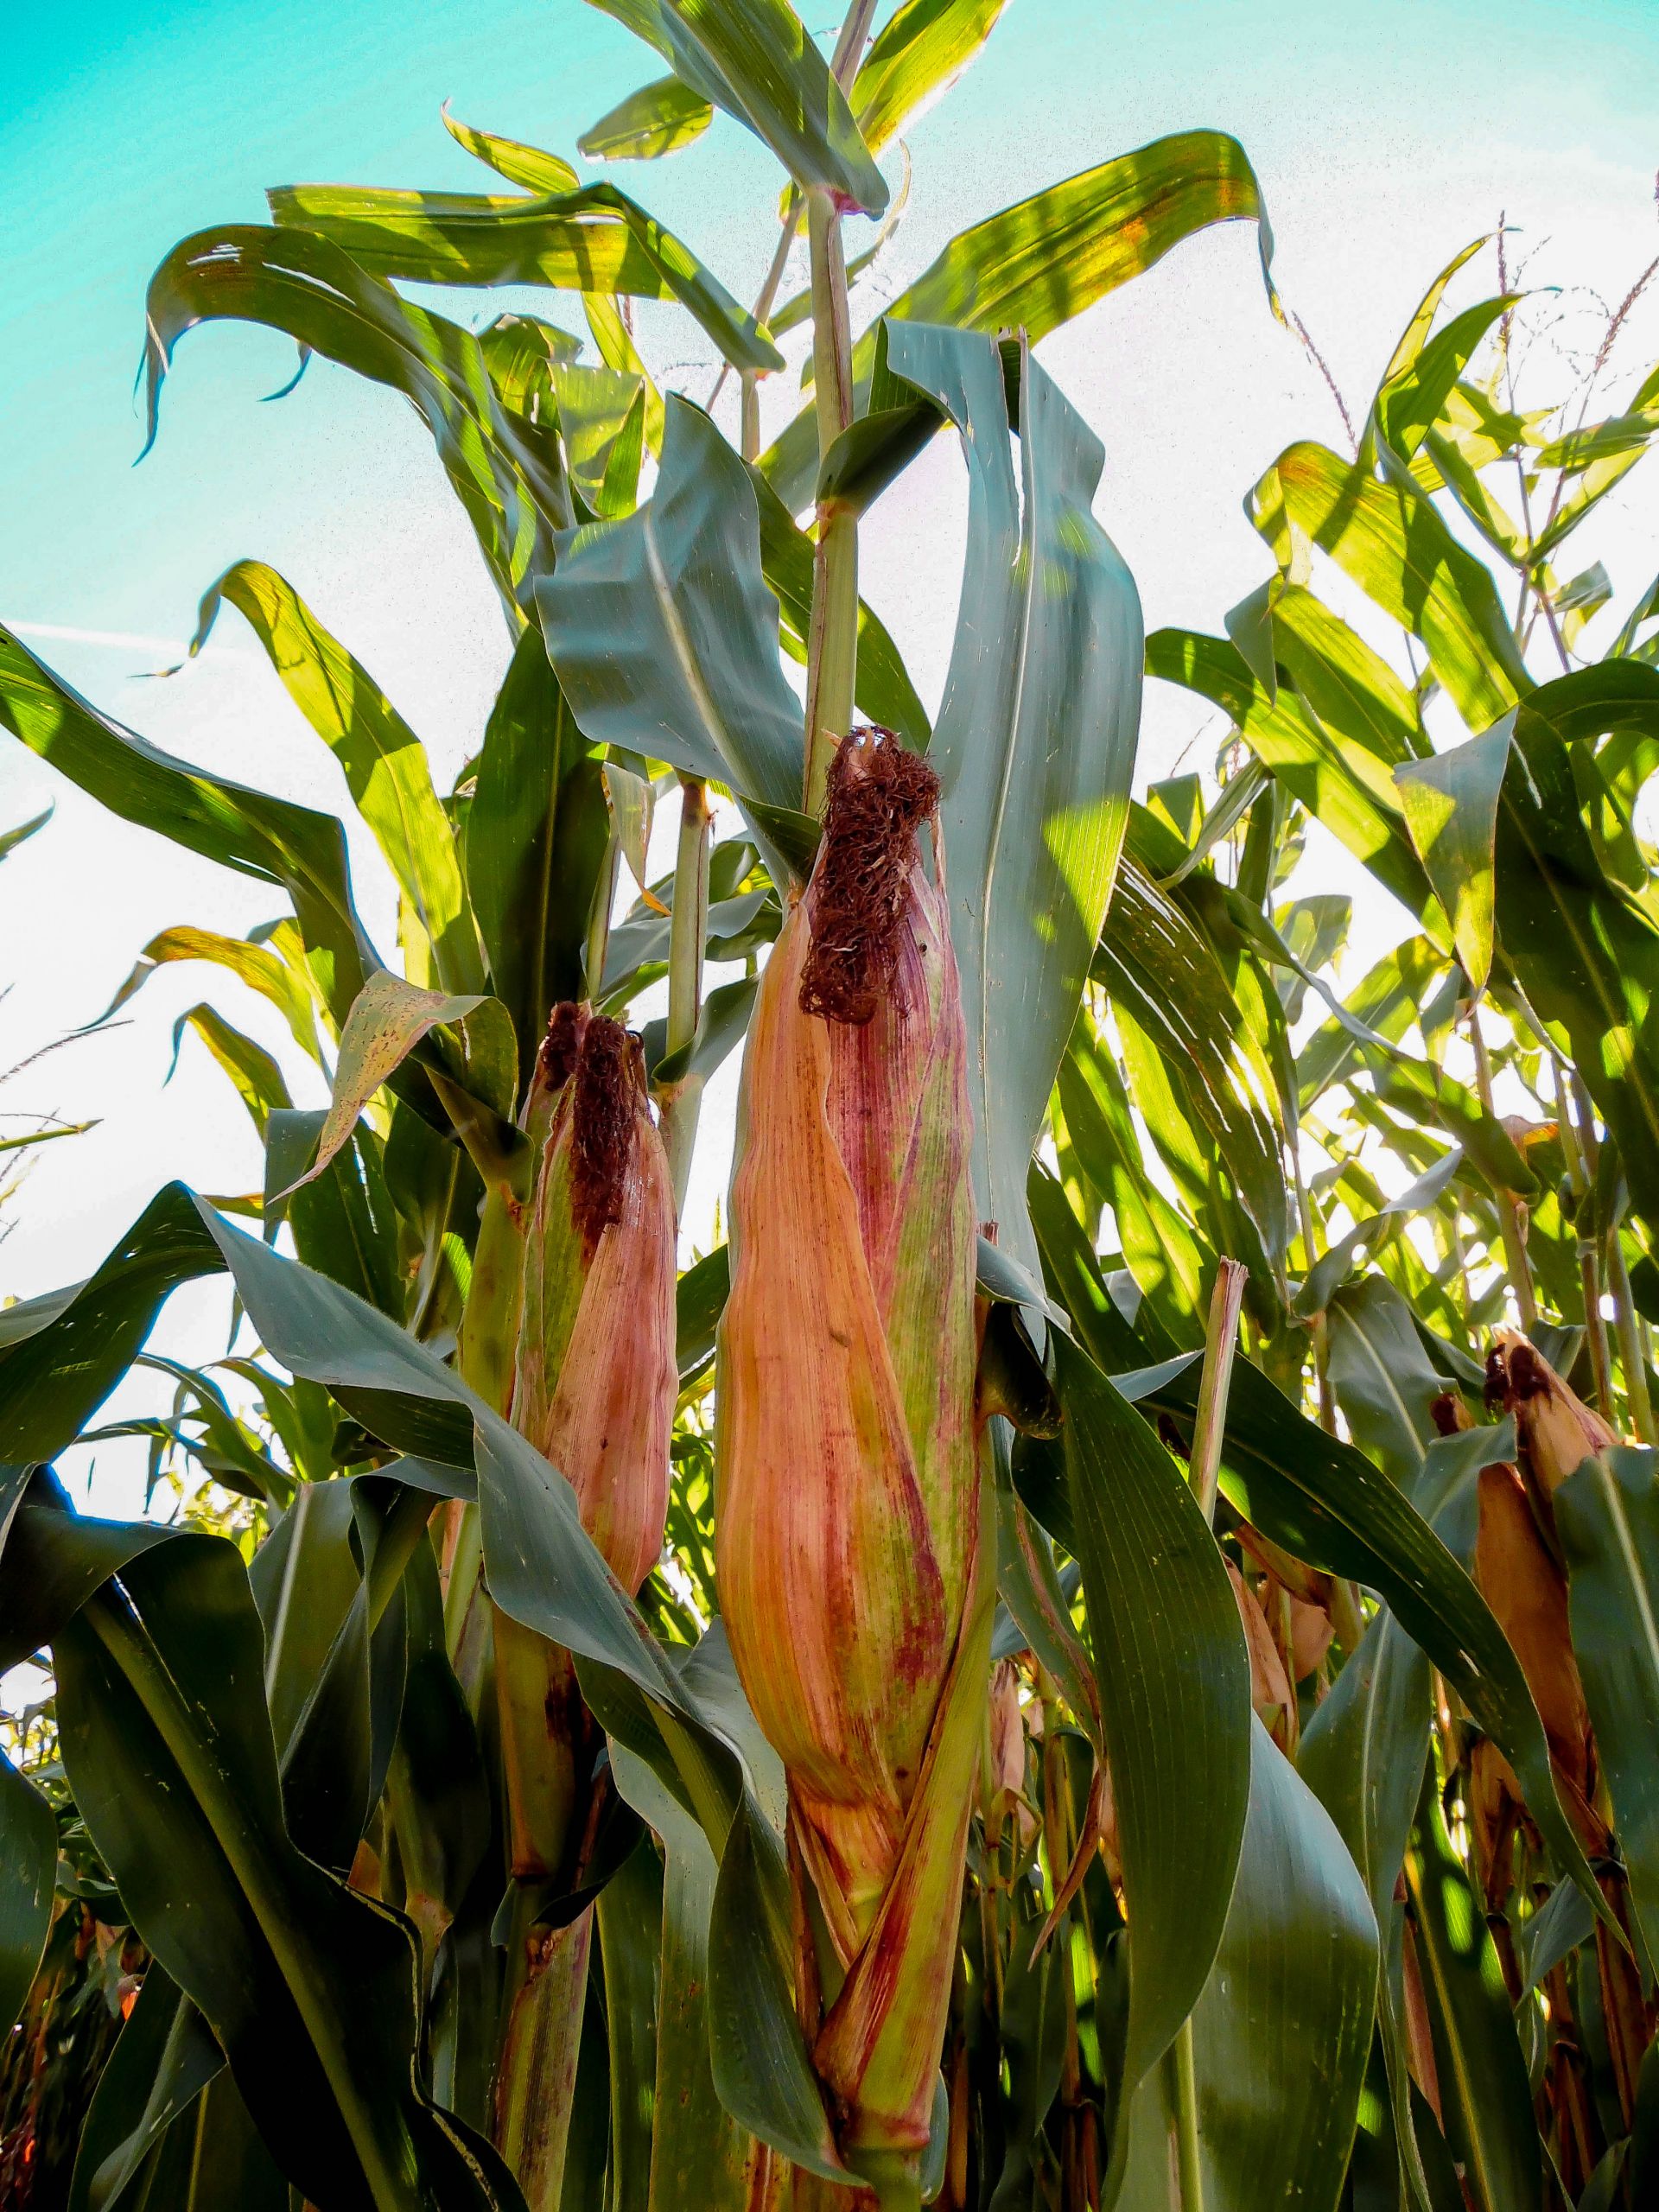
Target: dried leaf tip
{"x": 879, "y": 795}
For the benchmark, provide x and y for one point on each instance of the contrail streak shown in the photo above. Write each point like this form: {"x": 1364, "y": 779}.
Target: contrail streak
{"x": 117, "y": 640}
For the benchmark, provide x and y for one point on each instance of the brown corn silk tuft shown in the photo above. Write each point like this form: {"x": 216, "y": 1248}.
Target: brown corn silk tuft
{"x": 846, "y": 1522}
{"x": 562, "y": 1046}
{"x": 878, "y": 797}
{"x": 603, "y": 1122}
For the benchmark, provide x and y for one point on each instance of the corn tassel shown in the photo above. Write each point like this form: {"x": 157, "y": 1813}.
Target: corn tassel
{"x": 854, "y": 1570}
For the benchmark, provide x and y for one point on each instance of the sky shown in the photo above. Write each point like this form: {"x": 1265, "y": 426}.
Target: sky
{"x": 1386, "y": 134}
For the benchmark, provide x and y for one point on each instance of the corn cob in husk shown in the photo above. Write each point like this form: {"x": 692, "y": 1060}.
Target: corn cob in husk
{"x": 853, "y": 1573}
{"x": 594, "y": 1383}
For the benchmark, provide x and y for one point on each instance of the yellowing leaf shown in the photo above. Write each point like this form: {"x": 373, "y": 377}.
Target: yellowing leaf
{"x": 388, "y": 1018}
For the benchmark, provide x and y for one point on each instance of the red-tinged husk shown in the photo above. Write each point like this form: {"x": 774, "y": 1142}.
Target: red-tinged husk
{"x": 1558, "y": 1431}
{"x": 594, "y": 1385}
{"x": 596, "y": 1376}
{"x": 1270, "y": 1691}
{"x": 1525, "y": 1585}
{"x": 848, "y": 1512}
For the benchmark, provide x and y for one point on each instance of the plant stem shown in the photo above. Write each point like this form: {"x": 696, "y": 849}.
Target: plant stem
{"x": 599, "y": 922}
{"x": 765, "y": 300}
{"x": 1514, "y": 1241}
{"x": 832, "y": 640}
{"x": 1633, "y": 1352}
{"x": 1184, "y": 2128}
{"x": 1321, "y": 1331}
{"x": 680, "y": 1100}
{"x": 1221, "y": 1340}
{"x": 691, "y": 918}
{"x": 1595, "y": 1327}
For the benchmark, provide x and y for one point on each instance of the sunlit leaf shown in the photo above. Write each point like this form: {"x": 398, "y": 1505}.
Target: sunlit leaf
{"x": 659, "y": 118}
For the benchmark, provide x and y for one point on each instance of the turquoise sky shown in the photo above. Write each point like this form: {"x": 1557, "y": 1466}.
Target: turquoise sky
{"x": 128, "y": 127}
{"x": 1387, "y": 133}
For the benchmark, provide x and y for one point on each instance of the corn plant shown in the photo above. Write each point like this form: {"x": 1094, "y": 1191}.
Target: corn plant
{"x": 1098, "y": 1651}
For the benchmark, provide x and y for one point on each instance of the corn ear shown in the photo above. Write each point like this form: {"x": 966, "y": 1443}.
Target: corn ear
{"x": 596, "y": 1379}
{"x": 854, "y": 1570}
{"x": 1523, "y": 1582}
{"x": 1558, "y": 1431}
{"x": 592, "y": 1382}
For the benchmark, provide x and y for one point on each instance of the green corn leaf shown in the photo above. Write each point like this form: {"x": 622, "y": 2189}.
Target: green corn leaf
{"x": 256, "y": 965}
{"x": 1031, "y": 2024}
{"x": 753, "y": 59}
{"x": 1353, "y": 796}
{"x": 169, "y": 1748}
{"x": 1325, "y": 1502}
{"x": 1408, "y": 405}
{"x": 520, "y": 164}
{"x": 294, "y": 281}
{"x": 224, "y": 822}
{"x": 659, "y": 118}
{"x": 915, "y": 58}
{"x": 537, "y": 838}
{"x": 1484, "y": 2096}
{"x": 1160, "y": 971}
{"x": 163, "y": 2059}
{"x": 722, "y": 1023}
{"x": 1283, "y": 2030}
{"x": 594, "y": 238}
{"x": 1608, "y": 1516}
{"x": 21, "y": 832}
{"x": 1395, "y": 545}
{"x": 1173, "y": 1680}
{"x": 1553, "y": 1933}
{"x": 1577, "y": 449}
{"x": 1445, "y": 461}
{"x": 699, "y": 1301}
{"x": 664, "y": 634}
{"x": 1161, "y": 1249}
{"x": 61, "y": 1355}
{"x": 1381, "y": 1376}
{"x": 1587, "y": 956}
{"x": 1415, "y": 333}
{"x": 697, "y": 2150}
{"x": 1373, "y": 1233}
{"x": 1350, "y": 687}
{"x": 1363, "y": 1757}
{"x": 259, "y": 1082}
{"x": 385, "y": 763}
{"x": 1594, "y": 482}
{"x": 630, "y": 1917}
{"x": 1040, "y": 263}
{"x": 28, "y": 1859}
{"x": 544, "y": 1569}
{"x": 1034, "y": 741}
{"x": 343, "y": 1223}
{"x": 1451, "y": 805}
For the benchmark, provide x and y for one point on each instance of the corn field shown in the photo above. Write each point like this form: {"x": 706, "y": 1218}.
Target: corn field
{"x": 1099, "y": 1647}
